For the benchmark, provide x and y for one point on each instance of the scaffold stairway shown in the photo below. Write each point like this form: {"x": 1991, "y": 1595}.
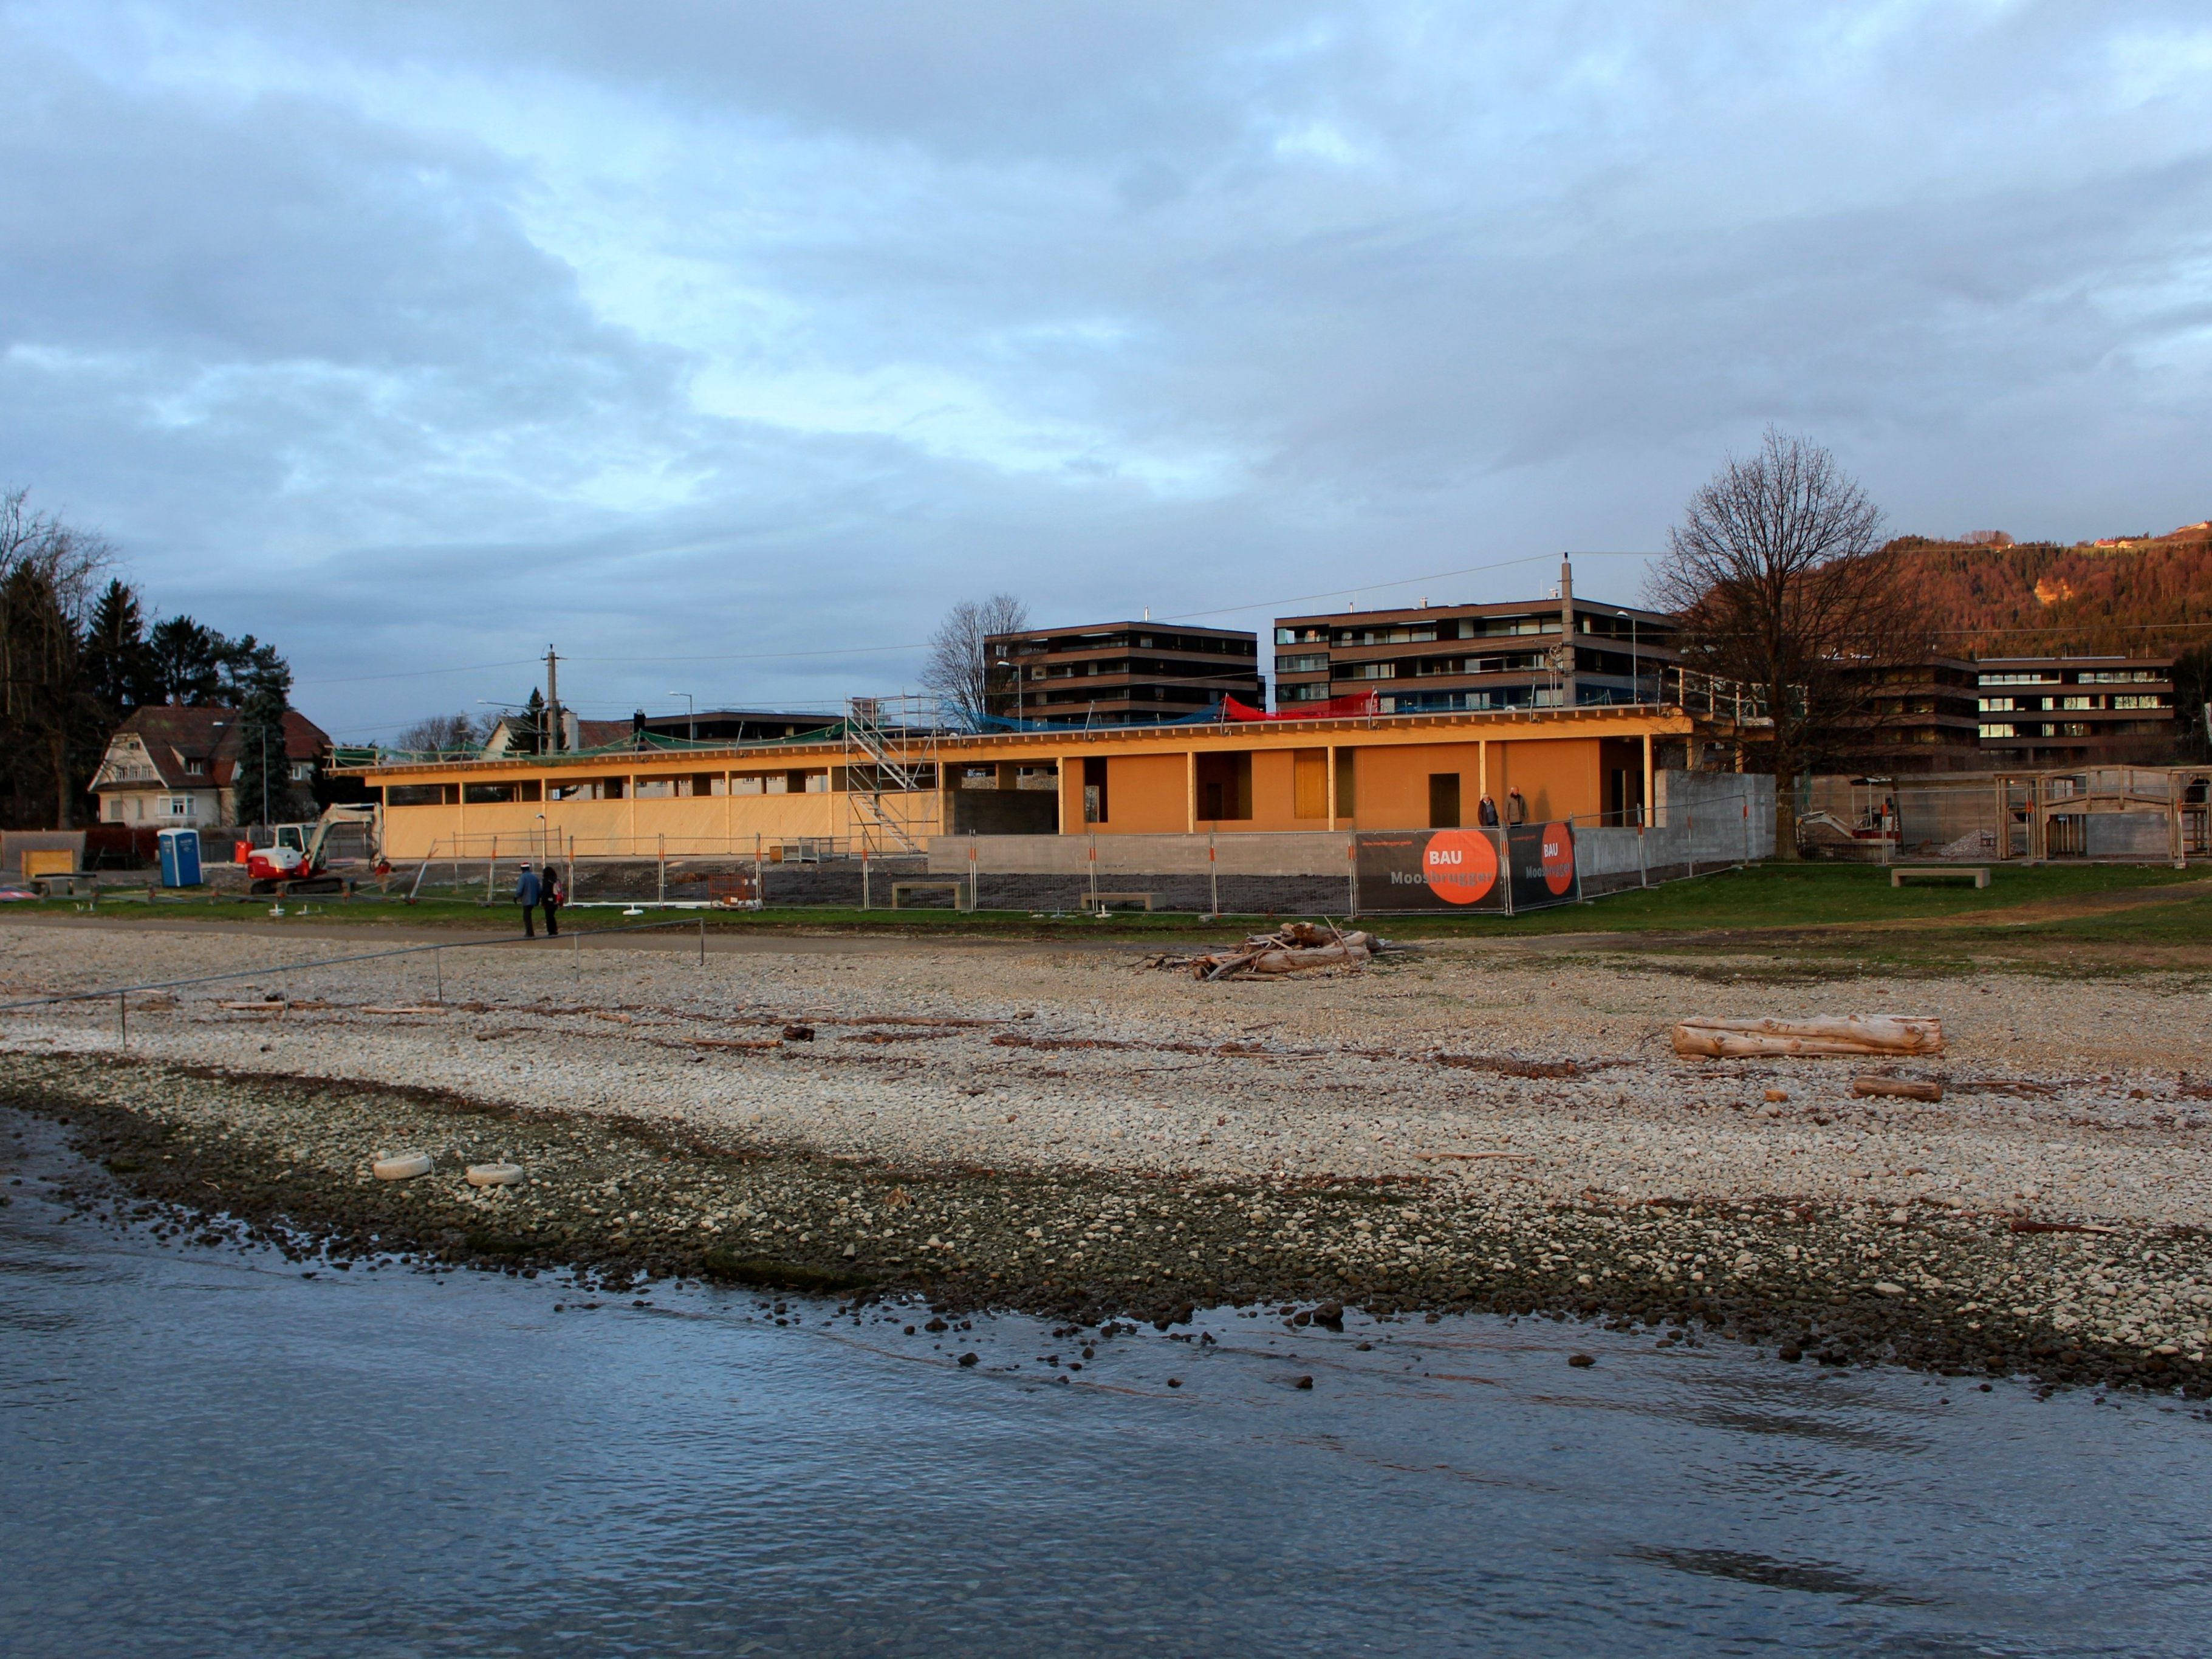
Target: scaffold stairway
{"x": 875, "y": 767}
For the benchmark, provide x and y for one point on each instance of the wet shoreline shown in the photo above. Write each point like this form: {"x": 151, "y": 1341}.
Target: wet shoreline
{"x": 287, "y": 1158}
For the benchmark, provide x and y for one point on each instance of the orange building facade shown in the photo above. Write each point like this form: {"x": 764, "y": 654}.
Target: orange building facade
{"x": 1593, "y": 765}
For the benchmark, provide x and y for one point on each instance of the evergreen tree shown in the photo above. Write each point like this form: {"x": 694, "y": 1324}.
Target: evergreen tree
{"x": 118, "y": 664}
{"x": 263, "y": 780}
{"x": 534, "y": 737}
{"x": 186, "y": 663}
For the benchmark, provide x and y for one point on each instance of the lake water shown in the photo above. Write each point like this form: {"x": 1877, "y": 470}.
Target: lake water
{"x": 207, "y": 1453}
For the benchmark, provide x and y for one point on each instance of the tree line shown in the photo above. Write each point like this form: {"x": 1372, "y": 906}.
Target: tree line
{"x": 77, "y": 656}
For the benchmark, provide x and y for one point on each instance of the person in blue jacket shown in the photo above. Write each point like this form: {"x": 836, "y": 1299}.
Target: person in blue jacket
{"x": 527, "y": 892}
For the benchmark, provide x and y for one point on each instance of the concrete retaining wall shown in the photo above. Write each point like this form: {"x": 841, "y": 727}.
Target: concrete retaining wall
{"x": 1315, "y": 852}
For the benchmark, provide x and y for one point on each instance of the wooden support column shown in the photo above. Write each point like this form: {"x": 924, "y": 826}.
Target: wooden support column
{"x": 1481, "y": 774}
{"x": 1643, "y": 813}
{"x": 1331, "y": 764}
{"x": 1190, "y": 790}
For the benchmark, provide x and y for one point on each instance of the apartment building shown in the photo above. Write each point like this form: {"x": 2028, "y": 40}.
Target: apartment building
{"x": 1562, "y": 653}
{"x": 1125, "y": 673}
{"x": 1920, "y": 717}
{"x": 2058, "y": 710}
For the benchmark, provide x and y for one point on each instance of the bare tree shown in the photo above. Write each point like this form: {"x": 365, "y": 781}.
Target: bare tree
{"x": 52, "y": 725}
{"x": 1777, "y": 573}
{"x": 442, "y": 734}
{"x": 958, "y": 667}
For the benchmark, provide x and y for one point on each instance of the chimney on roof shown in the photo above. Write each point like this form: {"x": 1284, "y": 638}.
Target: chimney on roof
{"x": 1566, "y": 632}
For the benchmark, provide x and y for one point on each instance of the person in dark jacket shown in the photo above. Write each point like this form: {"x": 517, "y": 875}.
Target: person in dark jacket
{"x": 552, "y": 895}
{"x": 527, "y": 892}
{"x": 1516, "y": 808}
{"x": 1486, "y": 814}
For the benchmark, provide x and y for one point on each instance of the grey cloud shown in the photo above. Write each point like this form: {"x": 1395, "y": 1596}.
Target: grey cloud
{"x": 431, "y": 309}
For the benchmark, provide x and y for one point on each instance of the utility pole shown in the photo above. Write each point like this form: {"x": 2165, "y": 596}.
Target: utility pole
{"x": 556, "y": 739}
{"x": 690, "y": 716}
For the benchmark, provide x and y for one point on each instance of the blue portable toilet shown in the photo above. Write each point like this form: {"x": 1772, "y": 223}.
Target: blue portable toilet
{"x": 180, "y": 858}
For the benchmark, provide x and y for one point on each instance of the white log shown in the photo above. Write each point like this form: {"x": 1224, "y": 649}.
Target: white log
{"x": 1740, "y": 1039}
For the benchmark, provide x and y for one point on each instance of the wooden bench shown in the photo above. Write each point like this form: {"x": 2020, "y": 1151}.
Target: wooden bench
{"x": 960, "y": 900}
{"x": 1106, "y": 901}
{"x": 1936, "y": 873}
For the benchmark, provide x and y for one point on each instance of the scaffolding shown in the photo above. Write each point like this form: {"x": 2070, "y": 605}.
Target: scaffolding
{"x": 891, "y": 772}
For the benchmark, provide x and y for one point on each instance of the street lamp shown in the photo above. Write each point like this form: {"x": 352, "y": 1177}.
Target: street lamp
{"x": 1016, "y": 672}
{"x": 690, "y": 717}
{"x": 1634, "y": 679}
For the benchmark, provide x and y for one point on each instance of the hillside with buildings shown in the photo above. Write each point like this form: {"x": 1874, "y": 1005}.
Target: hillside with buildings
{"x": 2124, "y": 596}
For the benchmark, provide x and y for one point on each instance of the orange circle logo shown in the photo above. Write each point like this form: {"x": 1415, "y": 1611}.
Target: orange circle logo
{"x": 1558, "y": 852}
{"x": 1461, "y": 865}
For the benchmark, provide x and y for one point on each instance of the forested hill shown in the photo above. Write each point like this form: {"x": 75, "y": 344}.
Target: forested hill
{"x": 2144, "y": 595}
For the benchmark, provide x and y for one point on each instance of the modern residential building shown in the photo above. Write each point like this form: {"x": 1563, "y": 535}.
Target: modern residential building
{"x": 177, "y": 767}
{"x": 1921, "y": 717}
{"x": 1125, "y": 673}
{"x": 2058, "y": 710}
{"x": 1468, "y": 659}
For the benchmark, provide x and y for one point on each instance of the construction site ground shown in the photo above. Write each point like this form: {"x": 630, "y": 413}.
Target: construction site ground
{"x": 1493, "y": 1120}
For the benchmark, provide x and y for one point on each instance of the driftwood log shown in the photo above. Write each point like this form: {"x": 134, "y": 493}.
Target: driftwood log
{"x": 1749, "y": 1039}
{"x": 1900, "y": 1088}
{"x": 1293, "y": 948}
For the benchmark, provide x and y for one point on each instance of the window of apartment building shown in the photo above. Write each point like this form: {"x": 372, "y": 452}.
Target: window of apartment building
{"x": 2078, "y": 703}
{"x": 195, "y": 766}
{"x": 1306, "y": 662}
{"x": 178, "y": 806}
{"x": 1443, "y": 800}
{"x": 2138, "y": 700}
{"x": 1368, "y": 671}
{"x": 1302, "y": 637}
{"x": 2117, "y": 677}
{"x": 2020, "y": 679}
{"x": 1996, "y": 705}
{"x": 1998, "y": 729}
{"x": 1400, "y": 635}
{"x": 1316, "y": 692}
{"x": 1095, "y": 803}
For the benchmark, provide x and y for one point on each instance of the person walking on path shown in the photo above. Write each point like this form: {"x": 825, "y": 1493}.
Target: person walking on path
{"x": 552, "y": 896}
{"x": 527, "y": 892}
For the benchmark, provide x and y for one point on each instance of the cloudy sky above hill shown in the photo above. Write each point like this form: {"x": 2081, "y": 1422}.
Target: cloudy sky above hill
{"x": 725, "y": 345}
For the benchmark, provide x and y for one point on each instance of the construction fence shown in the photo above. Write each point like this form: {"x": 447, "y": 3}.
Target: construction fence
{"x": 2124, "y": 814}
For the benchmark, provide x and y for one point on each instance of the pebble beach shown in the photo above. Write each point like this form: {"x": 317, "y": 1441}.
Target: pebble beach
{"x": 1069, "y": 1128}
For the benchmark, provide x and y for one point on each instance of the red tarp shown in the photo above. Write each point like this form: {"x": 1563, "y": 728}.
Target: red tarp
{"x": 1336, "y": 708}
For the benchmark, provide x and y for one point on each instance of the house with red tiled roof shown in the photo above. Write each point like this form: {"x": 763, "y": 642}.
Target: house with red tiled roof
{"x": 177, "y": 767}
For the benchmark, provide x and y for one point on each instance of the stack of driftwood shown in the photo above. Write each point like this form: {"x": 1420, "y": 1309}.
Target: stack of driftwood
{"x": 1293, "y": 948}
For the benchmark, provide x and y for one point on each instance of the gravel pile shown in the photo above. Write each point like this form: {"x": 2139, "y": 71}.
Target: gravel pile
{"x": 1465, "y": 1128}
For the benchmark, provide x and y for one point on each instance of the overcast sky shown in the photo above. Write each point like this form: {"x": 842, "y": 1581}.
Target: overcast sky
{"x": 705, "y": 340}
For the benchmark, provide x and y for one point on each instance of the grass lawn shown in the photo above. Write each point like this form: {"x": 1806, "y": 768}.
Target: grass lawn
{"x": 2086, "y": 904}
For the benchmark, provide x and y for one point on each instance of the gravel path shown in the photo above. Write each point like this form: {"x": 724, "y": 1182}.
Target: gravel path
{"x": 1520, "y": 1091}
